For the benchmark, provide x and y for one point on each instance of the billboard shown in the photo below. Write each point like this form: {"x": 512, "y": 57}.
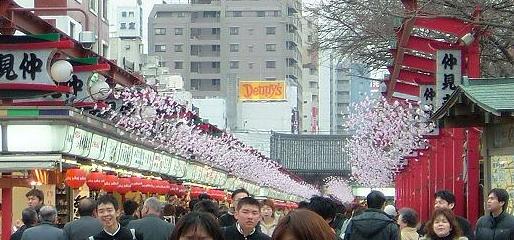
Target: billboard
{"x": 262, "y": 90}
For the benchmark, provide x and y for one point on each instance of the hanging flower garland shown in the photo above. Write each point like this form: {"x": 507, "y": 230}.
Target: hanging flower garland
{"x": 383, "y": 134}
{"x": 339, "y": 188}
{"x": 170, "y": 127}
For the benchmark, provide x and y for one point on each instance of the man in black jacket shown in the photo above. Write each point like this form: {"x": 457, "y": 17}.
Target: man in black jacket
{"x": 87, "y": 225}
{"x": 151, "y": 226}
{"x": 373, "y": 223}
{"x": 248, "y": 215}
{"x": 446, "y": 199}
{"x": 29, "y": 218}
{"x": 228, "y": 219}
{"x": 498, "y": 225}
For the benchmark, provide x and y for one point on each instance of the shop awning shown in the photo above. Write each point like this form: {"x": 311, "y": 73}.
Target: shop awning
{"x": 9, "y": 163}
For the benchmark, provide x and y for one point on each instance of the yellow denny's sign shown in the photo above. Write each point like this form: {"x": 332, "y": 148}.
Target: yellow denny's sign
{"x": 262, "y": 90}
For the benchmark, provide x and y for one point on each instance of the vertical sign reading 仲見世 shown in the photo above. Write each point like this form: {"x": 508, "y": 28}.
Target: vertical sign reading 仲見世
{"x": 448, "y": 74}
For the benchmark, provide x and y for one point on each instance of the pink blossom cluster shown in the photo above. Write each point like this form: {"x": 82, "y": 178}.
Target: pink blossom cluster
{"x": 383, "y": 134}
{"x": 170, "y": 127}
{"x": 339, "y": 188}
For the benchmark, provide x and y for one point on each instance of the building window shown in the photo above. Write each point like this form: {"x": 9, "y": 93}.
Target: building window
{"x": 215, "y": 48}
{"x": 234, "y": 64}
{"x": 271, "y": 64}
{"x": 160, "y": 31}
{"x": 250, "y": 65}
{"x": 104, "y": 9}
{"x": 105, "y": 50}
{"x": 234, "y": 47}
{"x": 131, "y": 14}
{"x": 215, "y": 31}
{"x": 179, "y": 31}
{"x": 261, "y": 13}
{"x": 123, "y": 26}
{"x": 271, "y": 47}
{"x": 160, "y": 48}
{"x": 72, "y": 30}
{"x": 216, "y": 84}
{"x": 271, "y": 30}
{"x": 250, "y": 31}
{"x": 178, "y": 48}
{"x": 123, "y": 14}
{"x": 179, "y": 65}
{"x": 238, "y": 14}
{"x": 195, "y": 84}
{"x": 215, "y": 65}
{"x": 270, "y": 78}
{"x": 309, "y": 38}
{"x": 93, "y": 5}
{"x": 132, "y": 25}
{"x": 181, "y": 14}
{"x": 162, "y": 64}
{"x": 250, "y": 48}
{"x": 234, "y": 30}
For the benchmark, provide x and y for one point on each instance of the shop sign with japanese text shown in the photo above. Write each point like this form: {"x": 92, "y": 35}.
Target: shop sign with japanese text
{"x": 428, "y": 96}
{"x": 448, "y": 74}
{"x": 24, "y": 66}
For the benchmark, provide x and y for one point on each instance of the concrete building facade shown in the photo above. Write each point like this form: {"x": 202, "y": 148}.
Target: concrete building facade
{"x": 73, "y": 22}
{"x": 215, "y": 44}
{"x": 310, "y": 78}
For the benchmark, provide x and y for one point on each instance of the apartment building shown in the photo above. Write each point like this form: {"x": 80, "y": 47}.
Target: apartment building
{"x": 216, "y": 44}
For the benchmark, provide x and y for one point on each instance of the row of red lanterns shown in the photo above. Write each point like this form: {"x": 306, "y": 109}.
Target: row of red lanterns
{"x": 97, "y": 181}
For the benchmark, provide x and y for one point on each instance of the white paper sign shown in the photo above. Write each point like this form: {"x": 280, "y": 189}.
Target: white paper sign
{"x": 448, "y": 74}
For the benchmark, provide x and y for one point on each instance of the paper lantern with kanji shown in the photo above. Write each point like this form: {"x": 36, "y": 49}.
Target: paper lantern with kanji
{"x": 124, "y": 185}
{"x": 95, "y": 181}
{"x": 136, "y": 184}
{"x": 196, "y": 191}
{"x": 164, "y": 187}
{"x": 75, "y": 178}
{"x": 216, "y": 194}
{"x": 111, "y": 183}
{"x": 147, "y": 186}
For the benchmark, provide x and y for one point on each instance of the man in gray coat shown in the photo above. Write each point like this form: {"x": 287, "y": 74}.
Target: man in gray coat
{"x": 151, "y": 227}
{"x": 87, "y": 225}
{"x": 46, "y": 229}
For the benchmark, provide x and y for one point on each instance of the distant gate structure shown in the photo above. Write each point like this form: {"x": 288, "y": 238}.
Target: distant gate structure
{"x": 312, "y": 157}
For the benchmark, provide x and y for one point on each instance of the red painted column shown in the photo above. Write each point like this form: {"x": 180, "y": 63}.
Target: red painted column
{"x": 459, "y": 191}
{"x": 473, "y": 174}
{"x": 6, "y": 213}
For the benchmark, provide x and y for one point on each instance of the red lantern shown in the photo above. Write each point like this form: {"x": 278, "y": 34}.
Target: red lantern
{"x": 180, "y": 190}
{"x": 124, "y": 186}
{"x": 136, "y": 184}
{"x": 196, "y": 191}
{"x": 111, "y": 183}
{"x": 165, "y": 187}
{"x": 147, "y": 187}
{"x": 95, "y": 181}
{"x": 216, "y": 194}
{"x": 75, "y": 178}
{"x": 156, "y": 185}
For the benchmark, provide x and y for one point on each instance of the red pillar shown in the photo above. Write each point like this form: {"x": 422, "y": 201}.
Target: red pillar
{"x": 473, "y": 195}
{"x": 6, "y": 213}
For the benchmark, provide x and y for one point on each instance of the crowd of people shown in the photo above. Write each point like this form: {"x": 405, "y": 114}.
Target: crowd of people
{"x": 320, "y": 218}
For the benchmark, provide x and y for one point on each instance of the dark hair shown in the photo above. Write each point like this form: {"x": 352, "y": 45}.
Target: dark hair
{"x": 193, "y": 220}
{"x": 303, "y": 224}
{"x": 248, "y": 201}
{"x": 303, "y": 204}
{"x": 106, "y": 199}
{"x": 241, "y": 190}
{"x": 36, "y": 193}
{"x": 446, "y": 196}
{"x": 375, "y": 199}
{"x": 207, "y": 206}
{"x": 29, "y": 216}
{"x": 455, "y": 231}
{"x": 130, "y": 206}
{"x": 323, "y": 206}
{"x": 168, "y": 210}
{"x": 502, "y": 195}
{"x": 204, "y": 196}
{"x": 192, "y": 203}
{"x": 87, "y": 207}
{"x": 409, "y": 216}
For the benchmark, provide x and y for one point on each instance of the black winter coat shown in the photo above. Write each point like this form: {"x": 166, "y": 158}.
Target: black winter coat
{"x": 231, "y": 233}
{"x": 494, "y": 228}
{"x": 372, "y": 224}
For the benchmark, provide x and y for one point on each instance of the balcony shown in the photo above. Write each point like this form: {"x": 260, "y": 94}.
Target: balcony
{"x": 205, "y": 34}
{"x": 205, "y": 67}
{"x": 205, "y": 17}
{"x": 205, "y": 50}
{"x": 210, "y": 2}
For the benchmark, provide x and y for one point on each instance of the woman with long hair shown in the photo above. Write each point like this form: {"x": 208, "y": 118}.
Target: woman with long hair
{"x": 303, "y": 224}
{"x": 443, "y": 226}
